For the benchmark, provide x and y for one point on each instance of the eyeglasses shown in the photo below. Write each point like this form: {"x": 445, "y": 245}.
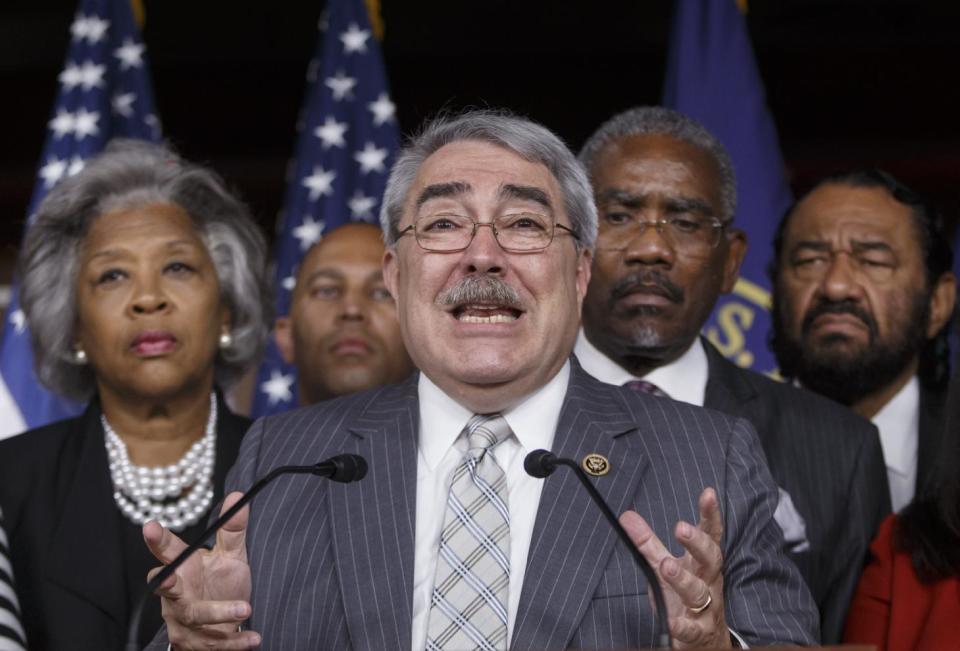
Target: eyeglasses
{"x": 810, "y": 265}
{"x": 522, "y": 232}
{"x": 688, "y": 232}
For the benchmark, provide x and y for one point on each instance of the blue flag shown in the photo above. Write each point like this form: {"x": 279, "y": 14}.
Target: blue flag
{"x": 105, "y": 92}
{"x": 347, "y": 140}
{"x": 712, "y": 77}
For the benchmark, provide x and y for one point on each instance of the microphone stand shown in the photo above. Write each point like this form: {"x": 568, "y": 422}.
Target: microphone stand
{"x": 542, "y": 464}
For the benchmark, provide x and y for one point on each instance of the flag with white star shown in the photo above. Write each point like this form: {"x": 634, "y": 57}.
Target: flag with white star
{"x": 104, "y": 93}
{"x": 347, "y": 139}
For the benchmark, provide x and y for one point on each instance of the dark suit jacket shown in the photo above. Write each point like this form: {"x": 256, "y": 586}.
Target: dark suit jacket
{"x": 332, "y": 564}
{"x": 930, "y": 431}
{"x": 830, "y": 462}
{"x": 65, "y": 530}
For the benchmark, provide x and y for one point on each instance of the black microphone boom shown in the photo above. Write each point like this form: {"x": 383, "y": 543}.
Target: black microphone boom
{"x": 343, "y": 468}
{"x": 542, "y": 463}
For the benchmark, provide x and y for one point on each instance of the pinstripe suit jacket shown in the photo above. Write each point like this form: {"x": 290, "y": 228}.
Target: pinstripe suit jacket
{"x": 332, "y": 564}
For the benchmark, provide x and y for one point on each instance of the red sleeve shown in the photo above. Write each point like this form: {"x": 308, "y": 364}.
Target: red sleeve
{"x": 868, "y": 619}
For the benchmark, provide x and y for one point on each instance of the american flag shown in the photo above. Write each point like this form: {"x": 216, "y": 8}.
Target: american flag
{"x": 347, "y": 140}
{"x": 104, "y": 93}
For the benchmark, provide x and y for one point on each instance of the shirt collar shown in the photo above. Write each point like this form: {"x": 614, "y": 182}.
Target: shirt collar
{"x": 898, "y": 422}
{"x": 684, "y": 379}
{"x": 533, "y": 421}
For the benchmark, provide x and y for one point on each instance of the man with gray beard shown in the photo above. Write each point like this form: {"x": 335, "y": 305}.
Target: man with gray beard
{"x": 666, "y": 249}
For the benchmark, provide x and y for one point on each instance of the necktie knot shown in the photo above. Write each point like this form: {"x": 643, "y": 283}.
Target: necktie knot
{"x": 642, "y": 386}
{"x": 486, "y": 431}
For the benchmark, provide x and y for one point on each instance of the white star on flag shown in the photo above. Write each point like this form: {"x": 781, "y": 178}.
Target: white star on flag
{"x": 360, "y": 206}
{"x": 70, "y": 76}
{"x": 320, "y": 183}
{"x": 371, "y": 158}
{"x": 88, "y": 74}
{"x": 85, "y": 123}
{"x": 383, "y": 110}
{"x": 19, "y": 320}
{"x": 130, "y": 54}
{"x": 341, "y": 85}
{"x": 331, "y": 133}
{"x": 52, "y": 171}
{"x": 308, "y": 232}
{"x": 354, "y": 39}
{"x": 277, "y": 387}
{"x": 91, "y": 28}
{"x": 122, "y": 103}
{"x": 62, "y": 123}
{"x": 91, "y": 74}
{"x": 289, "y": 283}
{"x": 78, "y": 28}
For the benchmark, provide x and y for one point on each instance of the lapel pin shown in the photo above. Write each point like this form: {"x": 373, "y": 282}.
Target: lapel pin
{"x": 595, "y": 464}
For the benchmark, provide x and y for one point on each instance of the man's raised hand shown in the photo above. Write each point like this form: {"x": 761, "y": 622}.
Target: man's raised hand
{"x": 208, "y": 596}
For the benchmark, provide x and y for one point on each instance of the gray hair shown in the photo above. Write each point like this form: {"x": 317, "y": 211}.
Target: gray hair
{"x": 527, "y": 139}
{"x": 129, "y": 174}
{"x": 657, "y": 120}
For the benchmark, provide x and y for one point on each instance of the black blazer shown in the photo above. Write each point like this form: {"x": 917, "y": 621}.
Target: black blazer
{"x": 830, "y": 462}
{"x": 66, "y": 536}
{"x": 931, "y": 430}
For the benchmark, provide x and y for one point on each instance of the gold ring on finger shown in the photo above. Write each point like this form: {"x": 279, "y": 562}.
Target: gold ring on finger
{"x": 706, "y": 604}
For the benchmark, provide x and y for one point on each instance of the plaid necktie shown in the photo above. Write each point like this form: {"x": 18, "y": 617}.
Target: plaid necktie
{"x": 468, "y": 608}
{"x": 642, "y": 386}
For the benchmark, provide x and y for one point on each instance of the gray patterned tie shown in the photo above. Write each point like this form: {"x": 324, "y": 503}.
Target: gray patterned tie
{"x": 468, "y": 608}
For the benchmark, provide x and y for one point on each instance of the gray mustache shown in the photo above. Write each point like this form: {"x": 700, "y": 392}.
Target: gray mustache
{"x": 480, "y": 289}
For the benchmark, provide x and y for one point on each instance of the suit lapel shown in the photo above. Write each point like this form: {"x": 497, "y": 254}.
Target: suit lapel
{"x": 571, "y": 541}
{"x": 726, "y": 390}
{"x": 87, "y": 528}
{"x": 374, "y": 521}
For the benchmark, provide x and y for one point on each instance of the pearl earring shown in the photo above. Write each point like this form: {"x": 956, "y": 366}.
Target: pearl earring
{"x": 80, "y": 356}
{"x": 226, "y": 340}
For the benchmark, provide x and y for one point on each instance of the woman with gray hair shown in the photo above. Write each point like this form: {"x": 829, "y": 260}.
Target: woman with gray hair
{"x": 142, "y": 280}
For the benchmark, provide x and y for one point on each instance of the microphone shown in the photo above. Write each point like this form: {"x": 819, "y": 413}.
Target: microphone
{"x": 541, "y": 464}
{"x": 343, "y": 468}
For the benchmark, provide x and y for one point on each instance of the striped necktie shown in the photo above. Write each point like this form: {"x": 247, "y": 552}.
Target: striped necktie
{"x": 468, "y": 608}
{"x": 642, "y": 386}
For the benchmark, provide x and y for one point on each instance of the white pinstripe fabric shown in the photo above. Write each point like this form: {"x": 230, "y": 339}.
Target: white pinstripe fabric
{"x": 468, "y": 607}
{"x": 12, "y": 636}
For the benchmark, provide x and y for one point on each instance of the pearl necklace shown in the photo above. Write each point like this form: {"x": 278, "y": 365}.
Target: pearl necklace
{"x": 146, "y": 493}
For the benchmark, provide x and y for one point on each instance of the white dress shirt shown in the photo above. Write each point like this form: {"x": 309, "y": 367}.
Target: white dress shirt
{"x": 899, "y": 425}
{"x": 684, "y": 379}
{"x": 441, "y": 450}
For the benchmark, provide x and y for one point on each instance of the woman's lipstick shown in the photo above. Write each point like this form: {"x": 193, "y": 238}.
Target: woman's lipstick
{"x": 153, "y": 343}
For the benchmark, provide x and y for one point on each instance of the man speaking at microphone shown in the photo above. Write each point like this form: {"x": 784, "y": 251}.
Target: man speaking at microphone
{"x": 448, "y": 544}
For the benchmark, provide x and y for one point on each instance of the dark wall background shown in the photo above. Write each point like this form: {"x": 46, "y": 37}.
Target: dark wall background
{"x": 850, "y": 82}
